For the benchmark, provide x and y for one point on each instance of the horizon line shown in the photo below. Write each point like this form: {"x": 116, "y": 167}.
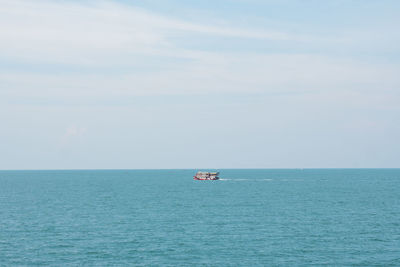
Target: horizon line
{"x": 155, "y": 169}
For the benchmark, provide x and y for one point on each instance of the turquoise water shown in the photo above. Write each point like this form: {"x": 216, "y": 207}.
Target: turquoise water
{"x": 338, "y": 217}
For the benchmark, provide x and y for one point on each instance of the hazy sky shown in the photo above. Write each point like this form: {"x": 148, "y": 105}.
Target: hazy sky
{"x": 199, "y": 84}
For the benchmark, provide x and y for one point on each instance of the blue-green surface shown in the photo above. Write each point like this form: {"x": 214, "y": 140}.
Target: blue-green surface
{"x": 336, "y": 217}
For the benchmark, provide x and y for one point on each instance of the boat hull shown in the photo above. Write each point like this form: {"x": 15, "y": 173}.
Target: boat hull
{"x": 205, "y": 179}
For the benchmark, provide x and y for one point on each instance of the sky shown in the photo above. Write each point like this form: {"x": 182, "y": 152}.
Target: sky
{"x": 160, "y": 84}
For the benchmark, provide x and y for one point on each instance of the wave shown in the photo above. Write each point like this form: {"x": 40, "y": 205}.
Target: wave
{"x": 239, "y": 179}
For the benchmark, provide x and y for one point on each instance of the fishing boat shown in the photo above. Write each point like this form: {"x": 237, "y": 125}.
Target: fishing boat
{"x": 206, "y": 176}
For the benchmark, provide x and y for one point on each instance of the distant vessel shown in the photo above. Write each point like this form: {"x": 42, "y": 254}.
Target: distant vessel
{"x": 206, "y": 176}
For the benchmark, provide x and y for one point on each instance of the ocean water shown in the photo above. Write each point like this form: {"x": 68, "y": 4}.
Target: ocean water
{"x": 311, "y": 217}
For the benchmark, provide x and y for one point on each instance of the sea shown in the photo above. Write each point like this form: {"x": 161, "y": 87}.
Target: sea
{"x": 251, "y": 217}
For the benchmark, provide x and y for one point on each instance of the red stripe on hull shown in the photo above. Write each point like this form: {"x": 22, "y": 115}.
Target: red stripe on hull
{"x": 213, "y": 179}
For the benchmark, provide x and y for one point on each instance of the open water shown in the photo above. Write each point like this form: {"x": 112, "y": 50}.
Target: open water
{"x": 330, "y": 217}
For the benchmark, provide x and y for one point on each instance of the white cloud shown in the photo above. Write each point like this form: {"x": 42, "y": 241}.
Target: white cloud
{"x": 130, "y": 51}
{"x": 74, "y": 131}
{"x": 72, "y": 134}
{"x": 213, "y": 73}
{"x": 102, "y": 32}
